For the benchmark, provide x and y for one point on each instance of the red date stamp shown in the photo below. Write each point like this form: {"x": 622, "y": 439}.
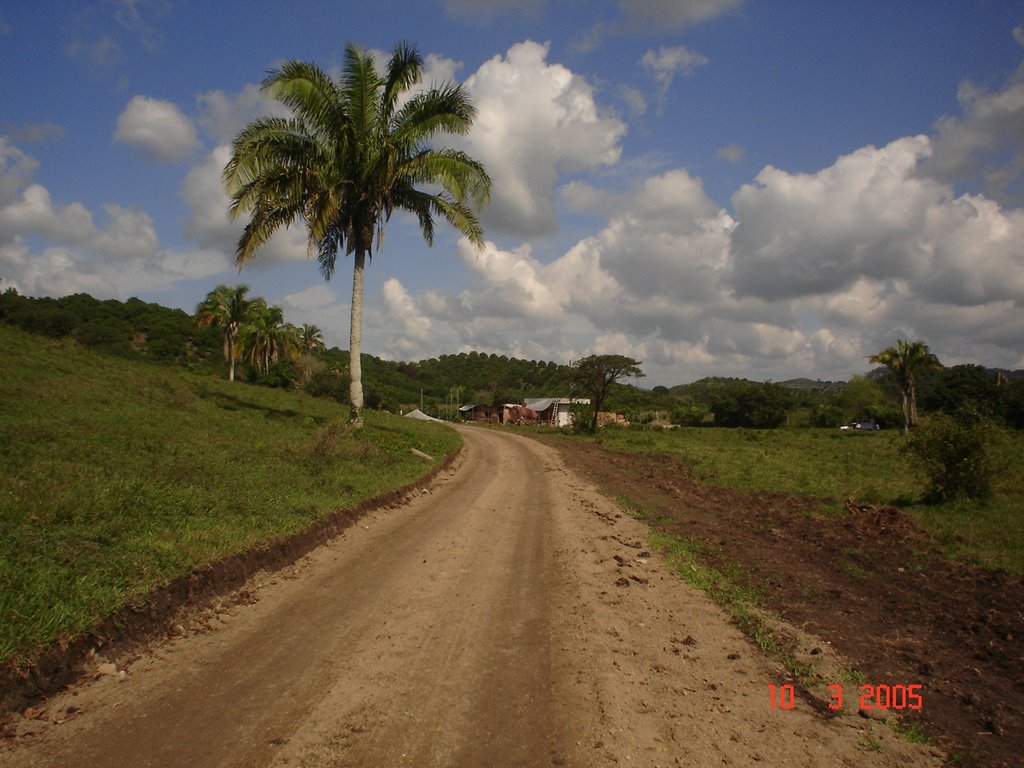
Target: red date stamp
{"x": 894, "y": 697}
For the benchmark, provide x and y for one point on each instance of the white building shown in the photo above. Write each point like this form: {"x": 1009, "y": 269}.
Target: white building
{"x": 555, "y": 411}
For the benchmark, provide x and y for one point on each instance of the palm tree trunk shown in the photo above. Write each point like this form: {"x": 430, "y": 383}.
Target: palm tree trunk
{"x": 355, "y": 340}
{"x": 906, "y": 412}
{"x": 230, "y": 344}
{"x": 913, "y": 404}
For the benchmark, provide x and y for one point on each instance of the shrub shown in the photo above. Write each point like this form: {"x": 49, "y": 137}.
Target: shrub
{"x": 582, "y": 418}
{"x": 1013, "y": 404}
{"x": 954, "y": 453}
{"x": 327, "y": 382}
{"x": 690, "y": 415}
{"x": 282, "y": 375}
{"x": 886, "y": 416}
{"x": 826, "y": 415}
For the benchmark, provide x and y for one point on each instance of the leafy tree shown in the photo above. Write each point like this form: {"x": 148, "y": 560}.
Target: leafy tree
{"x": 907, "y": 360}
{"x": 825, "y": 414}
{"x": 594, "y": 376}
{"x": 860, "y": 397}
{"x": 96, "y": 335}
{"x": 352, "y": 152}
{"x": 227, "y": 308}
{"x": 759, "y": 405}
{"x": 962, "y": 388}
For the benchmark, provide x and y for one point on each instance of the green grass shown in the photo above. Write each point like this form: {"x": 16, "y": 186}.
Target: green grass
{"x": 911, "y": 731}
{"x": 819, "y": 462}
{"x": 871, "y": 468}
{"x": 115, "y": 477}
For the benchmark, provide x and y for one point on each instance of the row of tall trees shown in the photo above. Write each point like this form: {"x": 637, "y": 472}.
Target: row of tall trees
{"x": 254, "y": 331}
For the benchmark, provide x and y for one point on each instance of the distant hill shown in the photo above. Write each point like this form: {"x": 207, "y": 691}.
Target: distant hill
{"x": 137, "y": 329}
{"x": 813, "y": 385}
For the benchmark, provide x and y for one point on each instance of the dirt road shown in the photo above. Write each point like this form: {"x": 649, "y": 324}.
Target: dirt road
{"x": 510, "y": 616}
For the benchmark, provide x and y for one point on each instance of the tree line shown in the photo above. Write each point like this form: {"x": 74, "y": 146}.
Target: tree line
{"x": 265, "y": 349}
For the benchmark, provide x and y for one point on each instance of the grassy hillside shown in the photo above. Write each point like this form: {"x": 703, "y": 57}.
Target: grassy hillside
{"x": 117, "y": 476}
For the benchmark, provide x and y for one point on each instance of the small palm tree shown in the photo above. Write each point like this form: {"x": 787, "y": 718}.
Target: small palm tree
{"x": 227, "y": 308}
{"x": 352, "y": 152}
{"x": 907, "y": 360}
{"x": 266, "y": 338}
{"x": 253, "y": 335}
{"x": 311, "y": 338}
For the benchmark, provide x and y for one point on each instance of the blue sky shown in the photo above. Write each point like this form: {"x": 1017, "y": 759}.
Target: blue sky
{"x": 715, "y": 187}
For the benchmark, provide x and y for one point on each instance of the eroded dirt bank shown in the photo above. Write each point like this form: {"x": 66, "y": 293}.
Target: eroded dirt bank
{"x": 511, "y": 616}
{"x": 870, "y": 583}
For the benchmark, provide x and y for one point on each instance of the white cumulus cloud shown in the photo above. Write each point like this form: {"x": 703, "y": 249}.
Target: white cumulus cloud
{"x": 985, "y": 142}
{"x": 534, "y": 120}
{"x": 411, "y": 328}
{"x": 872, "y": 216}
{"x": 117, "y": 257}
{"x": 53, "y": 272}
{"x": 157, "y": 128}
{"x": 644, "y": 16}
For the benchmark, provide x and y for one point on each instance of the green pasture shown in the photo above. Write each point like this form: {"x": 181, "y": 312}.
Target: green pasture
{"x": 117, "y": 476}
{"x": 870, "y": 468}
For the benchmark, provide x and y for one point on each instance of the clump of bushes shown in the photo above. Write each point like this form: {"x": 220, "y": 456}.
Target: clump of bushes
{"x": 582, "y": 419}
{"x": 750, "y": 404}
{"x": 955, "y": 454}
{"x": 690, "y": 414}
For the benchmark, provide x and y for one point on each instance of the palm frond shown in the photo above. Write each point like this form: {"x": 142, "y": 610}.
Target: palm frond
{"x": 361, "y": 85}
{"x": 310, "y": 93}
{"x": 459, "y": 216}
{"x": 458, "y": 174}
{"x": 264, "y": 223}
{"x": 446, "y": 108}
{"x": 405, "y": 67}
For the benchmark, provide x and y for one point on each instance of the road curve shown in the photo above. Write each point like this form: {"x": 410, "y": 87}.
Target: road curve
{"x": 507, "y": 617}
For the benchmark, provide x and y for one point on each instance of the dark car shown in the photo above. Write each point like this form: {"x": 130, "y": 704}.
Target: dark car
{"x": 862, "y": 424}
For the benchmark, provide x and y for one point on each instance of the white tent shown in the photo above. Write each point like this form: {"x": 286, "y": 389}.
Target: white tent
{"x": 416, "y": 413}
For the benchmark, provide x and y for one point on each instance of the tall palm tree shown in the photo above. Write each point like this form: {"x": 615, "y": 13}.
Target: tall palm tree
{"x": 227, "y": 308}
{"x": 907, "y": 360}
{"x": 351, "y": 153}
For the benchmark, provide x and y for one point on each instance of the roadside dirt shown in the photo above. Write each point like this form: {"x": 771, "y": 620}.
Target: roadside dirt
{"x": 507, "y": 615}
{"x": 870, "y": 584}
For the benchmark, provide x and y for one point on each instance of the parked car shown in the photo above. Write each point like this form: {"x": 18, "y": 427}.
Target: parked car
{"x": 862, "y": 424}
